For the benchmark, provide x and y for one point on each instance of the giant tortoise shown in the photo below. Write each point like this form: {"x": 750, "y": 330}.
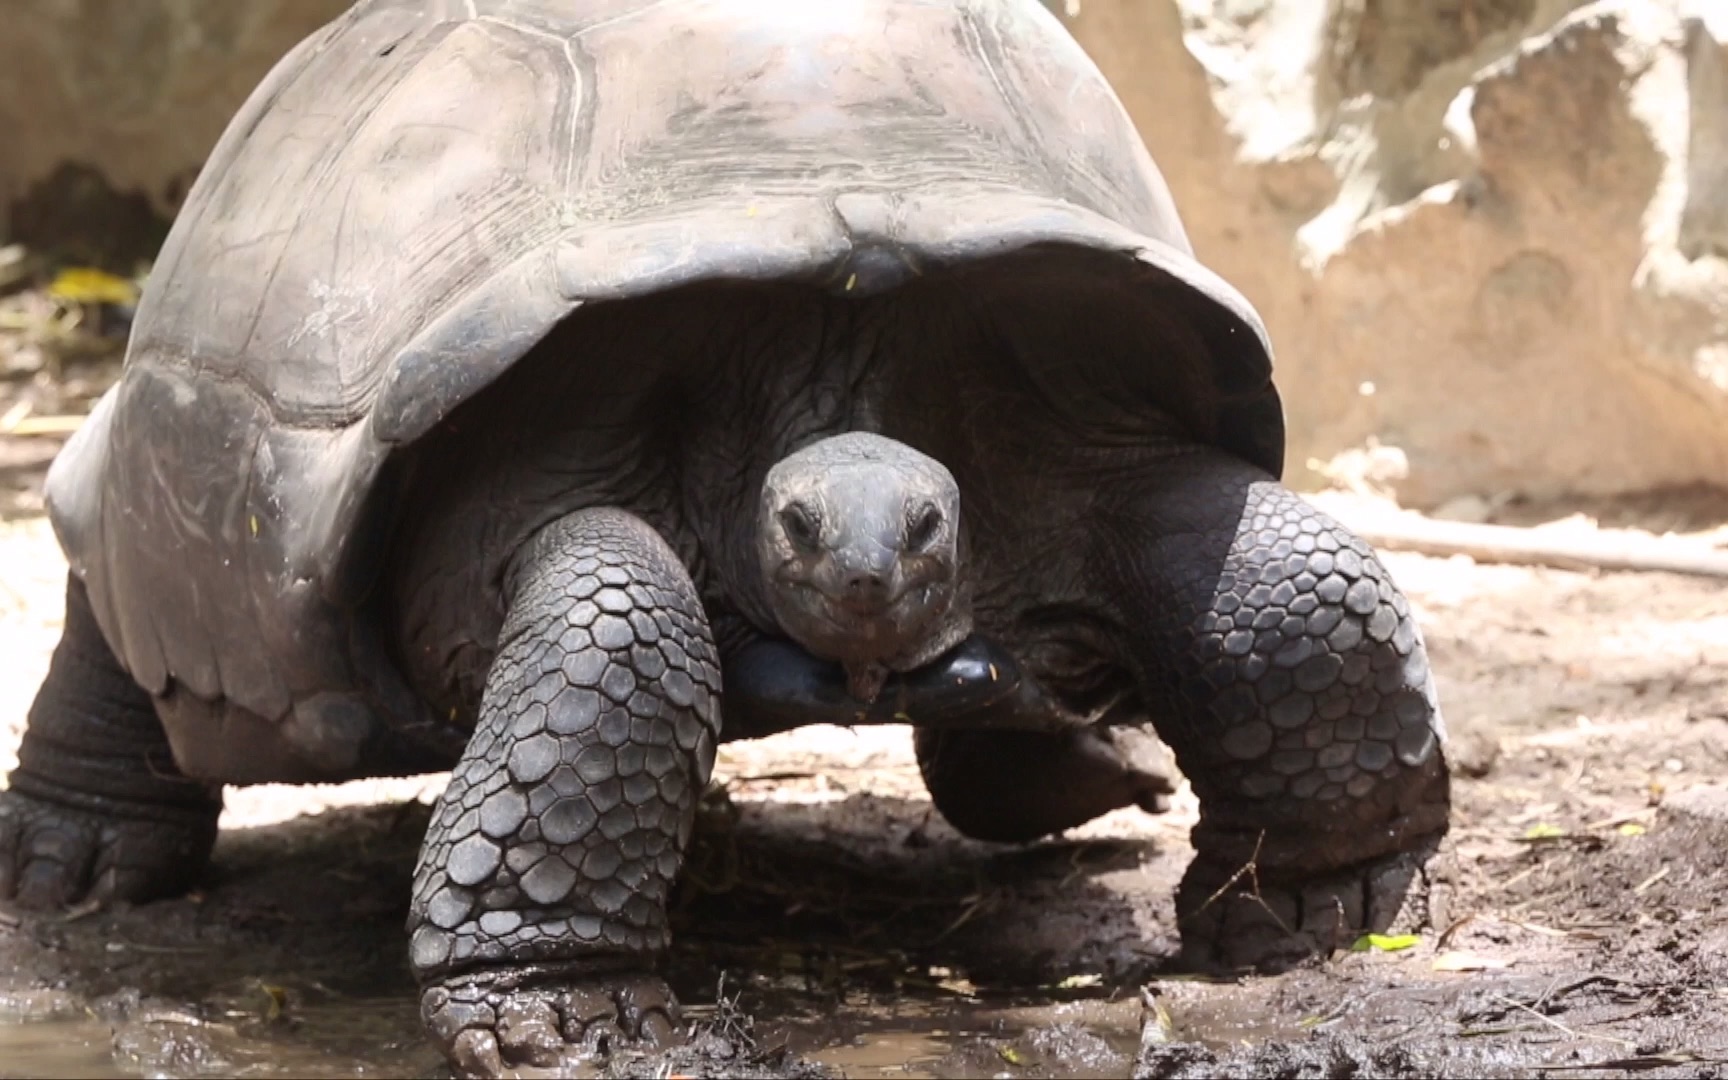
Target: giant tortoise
{"x": 520, "y": 373}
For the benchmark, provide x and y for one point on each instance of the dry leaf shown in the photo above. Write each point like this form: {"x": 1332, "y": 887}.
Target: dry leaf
{"x": 278, "y": 1000}
{"x": 1080, "y": 982}
{"x": 1459, "y": 960}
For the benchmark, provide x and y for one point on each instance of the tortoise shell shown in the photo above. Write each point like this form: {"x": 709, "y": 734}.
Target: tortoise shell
{"x": 423, "y": 189}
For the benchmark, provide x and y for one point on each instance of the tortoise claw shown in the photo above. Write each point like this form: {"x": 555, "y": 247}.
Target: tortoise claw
{"x": 490, "y": 1030}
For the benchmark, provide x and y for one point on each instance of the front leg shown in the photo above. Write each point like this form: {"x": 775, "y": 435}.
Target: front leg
{"x": 1289, "y": 677}
{"x": 539, "y": 908}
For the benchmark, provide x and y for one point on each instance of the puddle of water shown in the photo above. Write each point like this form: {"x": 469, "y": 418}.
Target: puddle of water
{"x": 56, "y": 1049}
{"x": 352, "y": 1038}
{"x": 908, "y": 1040}
{"x": 923, "y": 1040}
{"x": 1229, "y": 1022}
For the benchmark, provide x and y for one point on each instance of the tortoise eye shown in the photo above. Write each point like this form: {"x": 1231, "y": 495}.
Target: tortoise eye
{"x": 922, "y": 528}
{"x": 802, "y": 527}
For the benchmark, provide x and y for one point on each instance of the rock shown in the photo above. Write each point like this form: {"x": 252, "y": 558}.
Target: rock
{"x": 1510, "y": 217}
{"x": 1473, "y": 509}
{"x": 1473, "y": 753}
{"x": 1700, "y": 802}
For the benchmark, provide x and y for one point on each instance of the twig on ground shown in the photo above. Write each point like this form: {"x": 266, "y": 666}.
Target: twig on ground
{"x": 1562, "y": 1028}
{"x": 1250, "y": 869}
{"x": 776, "y": 777}
{"x": 1644, "y": 886}
{"x": 978, "y": 903}
{"x": 51, "y": 426}
{"x": 1520, "y": 876}
{"x": 1536, "y": 547}
{"x": 1445, "y": 937}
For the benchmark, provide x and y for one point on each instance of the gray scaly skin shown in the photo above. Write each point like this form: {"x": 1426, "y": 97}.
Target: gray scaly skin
{"x": 96, "y": 807}
{"x": 540, "y": 898}
{"x": 1287, "y": 673}
{"x": 1278, "y": 661}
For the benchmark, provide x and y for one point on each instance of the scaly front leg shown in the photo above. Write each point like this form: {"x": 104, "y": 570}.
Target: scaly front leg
{"x": 539, "y": 909}
{"x": 1288, "y": 675}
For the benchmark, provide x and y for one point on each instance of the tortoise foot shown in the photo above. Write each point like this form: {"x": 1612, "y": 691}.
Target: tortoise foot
{"x": 97, "y": 808}
{"x": 52, "y": 854}
{"x": 490, "y": 1028}
{"x": 1231, "y": 921}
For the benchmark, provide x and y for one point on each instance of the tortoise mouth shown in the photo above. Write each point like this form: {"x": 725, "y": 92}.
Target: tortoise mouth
{"x": 869, "y": 606}
{"x": 854, "y": 630}
{"x": 902, "y": 614}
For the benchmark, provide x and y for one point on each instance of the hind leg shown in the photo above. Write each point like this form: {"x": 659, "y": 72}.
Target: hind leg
{"x": 1016, "y": 786}
{"x": 96, "y": 807}
{"x": 1289, "y": 676}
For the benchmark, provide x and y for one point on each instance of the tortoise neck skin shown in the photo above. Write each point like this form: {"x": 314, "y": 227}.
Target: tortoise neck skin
{"x": 859, "y": 542}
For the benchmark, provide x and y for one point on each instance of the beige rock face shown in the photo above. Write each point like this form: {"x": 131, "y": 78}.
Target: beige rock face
{"x": 1490, "y": 237}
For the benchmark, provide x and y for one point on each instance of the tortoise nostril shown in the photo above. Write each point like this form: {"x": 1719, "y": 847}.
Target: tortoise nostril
{"x": 866, "y": 584}
{"x": 865, "y": 591}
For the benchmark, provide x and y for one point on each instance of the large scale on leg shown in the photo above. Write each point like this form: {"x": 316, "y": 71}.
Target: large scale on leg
{"x": 471, "y": 472}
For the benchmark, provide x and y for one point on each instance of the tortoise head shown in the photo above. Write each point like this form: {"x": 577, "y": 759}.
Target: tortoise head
{"x": 859, "y": 541}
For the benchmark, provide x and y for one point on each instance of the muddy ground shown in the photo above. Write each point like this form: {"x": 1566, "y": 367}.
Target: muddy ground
{"x": 1588, "y": 714}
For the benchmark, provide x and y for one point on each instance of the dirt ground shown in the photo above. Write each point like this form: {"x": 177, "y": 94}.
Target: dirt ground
{"x": 829, "y": 921}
